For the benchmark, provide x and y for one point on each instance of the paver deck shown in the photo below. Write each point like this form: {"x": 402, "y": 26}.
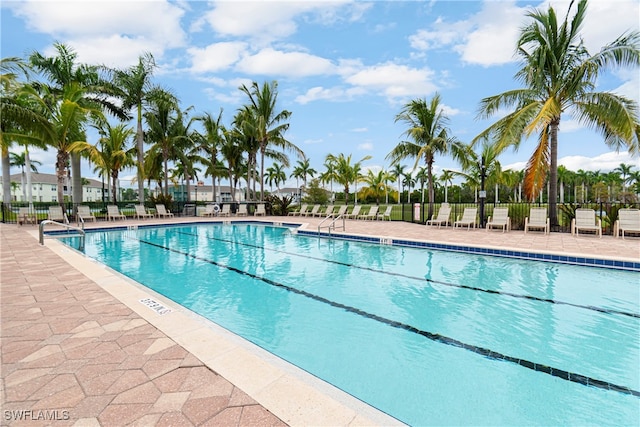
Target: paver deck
{"x": 75, "y": 353}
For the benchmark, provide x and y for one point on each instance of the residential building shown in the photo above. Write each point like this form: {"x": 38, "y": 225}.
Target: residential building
{"x": 44, "y": 188}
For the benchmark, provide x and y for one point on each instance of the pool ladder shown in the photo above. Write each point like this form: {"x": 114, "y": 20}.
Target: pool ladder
{"x": 332, "y": 224}
{"x": 80, "y": 231}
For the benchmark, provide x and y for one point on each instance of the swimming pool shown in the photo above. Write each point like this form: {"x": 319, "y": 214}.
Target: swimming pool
{"x": 429, "y": 337}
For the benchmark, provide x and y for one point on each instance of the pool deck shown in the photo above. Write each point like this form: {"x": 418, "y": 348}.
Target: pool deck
{"x": 78, "y": 346}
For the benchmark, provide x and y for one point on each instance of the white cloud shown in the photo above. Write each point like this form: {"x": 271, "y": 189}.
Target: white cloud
{"x": 394, "y": 81}
{"x": 216, "y": 57}
{"x": 273, "y": 62}
{"x": 360, "y": 130}
{"x": 365, "y": 146}
{"x": 329, "y": 94}
{"x": 313, "y": 141}
{"x": 604, "y": 162}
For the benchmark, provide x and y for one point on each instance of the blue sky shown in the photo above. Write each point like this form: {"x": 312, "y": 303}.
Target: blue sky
{"x": 344, "y": 69}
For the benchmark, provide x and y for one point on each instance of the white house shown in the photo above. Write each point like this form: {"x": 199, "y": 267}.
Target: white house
{"x": 44, "y": 188}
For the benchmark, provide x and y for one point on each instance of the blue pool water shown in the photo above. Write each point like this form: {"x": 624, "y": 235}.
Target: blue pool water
{"x": 429, "y": 337}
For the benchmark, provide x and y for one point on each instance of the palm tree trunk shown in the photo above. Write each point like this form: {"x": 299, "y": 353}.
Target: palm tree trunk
{"x": 27, "y": 161}
{"x": 23, "y": 183}
{"x": 552, "y": 194}
{"x": 114, "y": 187}
{"x": 6, "y": 176}
{"x": 61, "y": 167}
{"x": 430, "y": 186}
{"x": 76, "y": 178}
{"x": 140, "y": 145}
{"x": 262, "y": 149}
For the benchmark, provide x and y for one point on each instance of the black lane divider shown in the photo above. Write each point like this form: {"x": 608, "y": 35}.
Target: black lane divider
{"x": 490, "y": 354}
{"x": 406, "y": 276}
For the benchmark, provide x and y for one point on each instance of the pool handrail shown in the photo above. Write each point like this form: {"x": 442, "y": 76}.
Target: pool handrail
{"x": 67, "y": 226}
{"x": 332, "y": 224}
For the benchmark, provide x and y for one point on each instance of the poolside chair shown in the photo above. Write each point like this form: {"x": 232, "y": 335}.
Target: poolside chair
{"x": 242, "y": 210}
{"x": 500, "y": 218}
{"x": 327, "y": 211}
{"x": 141, "y": 213}
{"x": 84, "y": 214}
{"x": 25, "y": 217}
{"x": 113, "y": 213}
{"x": 586, "y": 220}
{"x": 372, "y": 214}
{"x": 302, "y": 210}
{"x": 386, "y": 214}
{"x": 56, "y": 214}
{"x": 313, "y": 211}
{"x": 210, "y": 210}
{"x": 468, "y": 218}
{"x": 443, "y": 216}
{"x": 354, "y": 213}
{"x": 628, "y": 222}
{"x": 341, "y": 211}
{"x": 226, "y": 210}
{"x": 537, "y": 219}
{"x": 162, "y": 211}
{"x": 260, "y": 210}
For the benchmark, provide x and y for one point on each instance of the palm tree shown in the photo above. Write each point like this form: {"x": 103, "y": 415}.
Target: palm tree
{"x": 22, "y": 160}
{"x": 134, "y": 85}
{"x": 346, "y": 173}
{"x": 276, "y": 174}
{"x": 231, "y": 151}
{"x": 421, "y": 176}
{"x": 270, "y": 124}
{"x": 447, "y": 179}
{"x": 111, "y": 154}
{"x": 427, "y": 134}
{"x": 409, "y": 181}
{"x": 397, "y": 171}
{"x": 559, "y": 75}
{"x": 209, "y": 142}
{"x": 376, "y": 184}
{"x": 331, "y": 174}
{"x": 624, "y": 170}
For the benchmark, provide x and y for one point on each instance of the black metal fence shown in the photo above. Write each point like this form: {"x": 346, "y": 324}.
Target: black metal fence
{"x": 10, "y": 212}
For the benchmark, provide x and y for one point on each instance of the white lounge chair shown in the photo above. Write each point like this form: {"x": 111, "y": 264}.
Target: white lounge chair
{"x": 260, "y": 210}
{"x": 84, "y": 214}
{"x": 141, "y": 213}
{"x": 628, "y": 222}
{"x": 443, "y": 217}
{"x": 302, "y": 210}
{"x": 586, "y": 220}
{"x": 113, "y": 213}
{"x": 242, "y": 210}
{"x": 226, "y": 210}
{"x": 313, "y": 211}
{"x": 386, "y": 215}
{"x": 372, "y": 214}
{"x": 25, "y": 217}
{"x": 537, "y": 219}
{"x": 341, "y": 211}
{"x": 56, "y": 214}
{"x": 327, "y": 212}
{"x": 468, "y": 218}
{"x": 162, "y": 211}
{"x": 500, "y": 218}
{"x": 210, "y": 210}
{"x": 354, "y": 213}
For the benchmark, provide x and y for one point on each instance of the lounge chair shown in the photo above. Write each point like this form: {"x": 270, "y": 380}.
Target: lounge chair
{"x": 372, "y": 214}
{"x": 242, "y": 210}
{"x": 354, "y": 213}
{"x": 260, "y": 210}
{"x": 210, "y": 210}
{"x": 113, "y": 213}
{"x": 226, "y": 210}
{"x": 386, "y": 214}
{"x": 537, "y": 219}
{"x": 341, "y": 211}
{"x": 443, "y": 217}
{"x": 586, "y": 220}
{"x": 84, "y": 214}
{"x": 327, "y": 212}
{"x": 162, "y": 211}
{"x": 313, "y": 211}
{"x": 302, "y": 210}
{"x": 500, "y": 218}
{"x": 628, "y": 222}
{"x": 468, "y": 218}
{"x": 56, "y": 214}
{"x": 141, "y": 212}
{"x": 25, "y": 217}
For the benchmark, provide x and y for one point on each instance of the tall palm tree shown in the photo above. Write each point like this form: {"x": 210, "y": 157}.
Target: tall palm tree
{"x": 22, "y": 161}
{"x": 560, "y": 75}
{"x": 277, "y": 175}
{"x": 376, "y": 184}
{"x": 111, "y": 154}
{"x": 427, "y": 134}
{"x": 624, "y": 170}
{"x": 270, "y": 123}
{"x": 446, "y": 177}
{"x": 134, "y": 86}
{"x": 345, "y": 171}
{"x": 232, "y": 152}
{"x": 330, "y": 174}
{"x": 397, "y": 171}
{"x": 409, "y": 181}
{"x": 209, "y": 141}
{"x": 421, "y": 176}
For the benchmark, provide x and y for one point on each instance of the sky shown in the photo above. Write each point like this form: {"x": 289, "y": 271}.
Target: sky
{"x": 344, "y": 69}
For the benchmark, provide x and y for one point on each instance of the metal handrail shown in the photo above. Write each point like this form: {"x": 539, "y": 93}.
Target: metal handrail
{"x": 67, "y": 226}
{"x": 332, "y": 223}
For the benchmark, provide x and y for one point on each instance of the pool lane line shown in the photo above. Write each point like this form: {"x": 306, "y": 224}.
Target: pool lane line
{"x": 490, "y": 354}
{"x": 406, "y": 276}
